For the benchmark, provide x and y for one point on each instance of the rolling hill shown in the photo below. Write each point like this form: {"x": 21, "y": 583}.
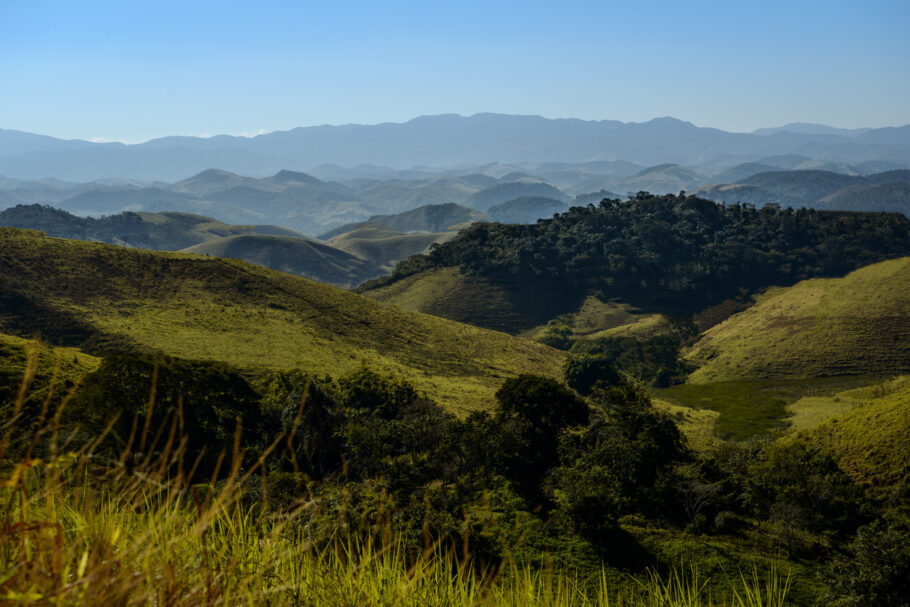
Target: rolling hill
{"x": 504, "y": 192}
{"x": 383, "y": 247}
{"x": 303, "y": 257}
{"x": 100, "y": 297}
{"x": 855, "y": 325}
{"x": 887, "y": 191}
{"x": 162, "y": 231}
{"x": 427, "y": 218}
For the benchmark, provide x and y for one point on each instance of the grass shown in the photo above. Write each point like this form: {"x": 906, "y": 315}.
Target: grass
{"x": 697, "y": 425}
{"x": 447, "y": 293}
{"x": 248, "y": 316}
{"x": 596, "y": 319}
{"x": 755, "y": 408}
{"x": 78, "y": 530}
{"x": 871, "y": 439}
{"x": 858, "y": 324}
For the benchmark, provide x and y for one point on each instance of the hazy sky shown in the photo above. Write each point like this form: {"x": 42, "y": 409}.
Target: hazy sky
{"x": 131, "y": 70}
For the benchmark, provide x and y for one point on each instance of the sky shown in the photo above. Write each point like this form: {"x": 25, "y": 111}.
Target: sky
{"x": 132, "y": 70}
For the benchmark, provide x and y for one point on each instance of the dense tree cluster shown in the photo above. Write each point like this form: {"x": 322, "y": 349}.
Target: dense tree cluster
{"x": 675, "y": 253}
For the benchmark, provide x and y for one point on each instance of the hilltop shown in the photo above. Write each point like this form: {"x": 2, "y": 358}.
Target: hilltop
{"x": 100, "y": 298}
{"x": 855, "y": 325}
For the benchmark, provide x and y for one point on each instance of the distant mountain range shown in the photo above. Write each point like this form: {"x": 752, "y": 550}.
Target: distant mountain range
{"x": 442, "y": 141}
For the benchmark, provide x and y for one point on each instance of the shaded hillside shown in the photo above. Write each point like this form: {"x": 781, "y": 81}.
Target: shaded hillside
{"x": 162, "y": 231}
{"x": 382, "y": 247}
{"x": 299, "y": 256}
{"x": 245, "y": 315}
{"x": 527, "y": 209}
{"x": 855, "y": 325}
{"x": 669, "y": 254}
{"x": 890, "y": 197}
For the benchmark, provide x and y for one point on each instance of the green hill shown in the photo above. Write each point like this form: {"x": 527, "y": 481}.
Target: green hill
{"x": 383, "y": 247}
{"x": 97, "y": 297}
{"x": 871, "y": 438}
{"x": 299, "y": 256}
{"x": 674, "y": 255}
{"x": 856, "y": 325}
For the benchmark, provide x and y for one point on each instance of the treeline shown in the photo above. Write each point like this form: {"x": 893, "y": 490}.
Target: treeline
{"x": 670, "y": 253}
{"x": 555, "y": 470}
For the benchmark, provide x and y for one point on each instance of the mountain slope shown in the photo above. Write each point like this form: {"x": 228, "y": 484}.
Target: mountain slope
{"x": 858, "y": 324}
{"x": 99, "y": 296}
{"x": 307, "y": 258}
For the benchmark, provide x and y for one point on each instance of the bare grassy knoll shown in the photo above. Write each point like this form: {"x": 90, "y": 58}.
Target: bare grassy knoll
{"x": 855, "y": 325}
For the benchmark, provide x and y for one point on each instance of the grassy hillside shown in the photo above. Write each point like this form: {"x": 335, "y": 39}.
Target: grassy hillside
{"x": 95, "y": 295}
{"x": 452, "y": 294}
{"x": 859, "y": 325}
{"x": 306, "y": 258}
{"x": 383, "y": 247}
{"x": 871, "y": 438}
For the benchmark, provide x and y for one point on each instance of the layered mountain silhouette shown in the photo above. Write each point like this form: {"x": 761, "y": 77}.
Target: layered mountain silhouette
{"x": 440, "y": 141}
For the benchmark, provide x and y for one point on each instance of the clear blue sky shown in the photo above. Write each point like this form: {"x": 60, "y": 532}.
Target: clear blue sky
{"x": 134, "y": 69}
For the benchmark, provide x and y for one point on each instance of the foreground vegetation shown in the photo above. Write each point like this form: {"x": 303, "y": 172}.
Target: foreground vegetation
{"x": 180, "y": 482}
{"x": 85, "y": 525}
